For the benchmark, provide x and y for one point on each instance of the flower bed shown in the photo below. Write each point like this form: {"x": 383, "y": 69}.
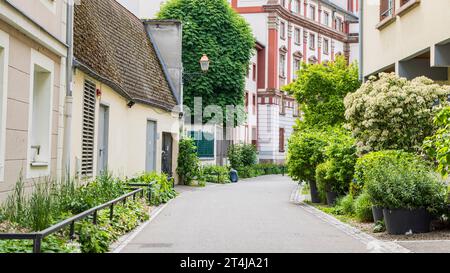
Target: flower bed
{"x": 50, "y": 203}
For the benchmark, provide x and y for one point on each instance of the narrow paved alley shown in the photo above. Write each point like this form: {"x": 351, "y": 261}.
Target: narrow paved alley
{"x": 255, "y": 215}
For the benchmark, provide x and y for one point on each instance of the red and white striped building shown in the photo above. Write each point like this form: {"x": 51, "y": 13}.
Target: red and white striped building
{"x": 290, "y": 32}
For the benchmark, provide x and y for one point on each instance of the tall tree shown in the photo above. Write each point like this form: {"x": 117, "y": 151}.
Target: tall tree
{"x": 321, "y": 89}
{"x": 212, "y": 27}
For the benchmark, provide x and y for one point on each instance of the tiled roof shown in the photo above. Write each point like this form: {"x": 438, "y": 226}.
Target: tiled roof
{"x": 111, "y": 43}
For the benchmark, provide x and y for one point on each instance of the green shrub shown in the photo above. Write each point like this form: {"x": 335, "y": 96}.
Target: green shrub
{"x": 325, "y": 182}
{"x": 401, "y": 180}
{"x": 242, "y": 155}
{"x": 393, "y": 113}
{"x": 341, "y": 153}
{"x": 320, "y": 89}
{"x": 438, "y": 145}
{"x": 188, "y": 161}
{"x": 363, "y": 208}
{"x": 347, "y": 205}
{"x": 162, "y": 187}
{"x": 216, "y": 174}
{"x": 366, "y": 162}
{"x": 306, "y": 150}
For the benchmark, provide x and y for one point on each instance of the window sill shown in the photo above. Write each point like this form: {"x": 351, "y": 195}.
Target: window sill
{"x": 407, "y": 7}
{"x": 386, "y": 22}
{"x": 39, "y": 164}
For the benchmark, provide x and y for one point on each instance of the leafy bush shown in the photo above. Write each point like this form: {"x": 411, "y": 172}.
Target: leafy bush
{"x": 51, "y": 202}
{"x": 242, "y": 155}
{"x": 261, "y": 169}
{"x": 325, "y": 182}
{"x": 438, "y": 145}
{"x": 392, "y": 113}
{"x": 347, "y": 205}
{"x": 216, "y": 174}
{"x": 320, "y": 89}
{"x": 306, "y": 151}
{"x": 341, "y": 153}
{"x": 401, "y": 180}
{"x": 188, "y": 161}
{"x": 363, "y": 208}
{"x": 368, "y": 161}
{"x": 249, "y": 155}
{"x": 162, "y": 188}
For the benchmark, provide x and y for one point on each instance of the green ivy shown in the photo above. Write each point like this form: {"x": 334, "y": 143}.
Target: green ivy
{"x": 212, "y": 27}
{"x": 188, "y": 161}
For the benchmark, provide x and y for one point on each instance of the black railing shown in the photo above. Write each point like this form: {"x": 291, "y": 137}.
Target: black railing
{"x": 37, "y": 237}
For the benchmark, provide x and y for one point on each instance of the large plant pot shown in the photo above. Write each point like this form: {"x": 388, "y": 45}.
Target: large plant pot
{"x": 315, "y": 197}
{"x": 402, "y": 221}
{"x": 331, "y": 198}
{"x": 377, "y": 213}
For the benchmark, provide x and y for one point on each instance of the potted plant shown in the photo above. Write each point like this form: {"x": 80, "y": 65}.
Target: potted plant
{"x": 408, "y": 190}
{"x": 305, "y": 152}
{"x": 326, "y": 183}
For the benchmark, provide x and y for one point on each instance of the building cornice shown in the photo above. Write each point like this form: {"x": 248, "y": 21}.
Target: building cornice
{"x": 309, "y": 24}
{"x": 22, "y": 22}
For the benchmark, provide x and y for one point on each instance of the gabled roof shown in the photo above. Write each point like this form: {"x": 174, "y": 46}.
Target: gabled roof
{"x": 111, "y": 44}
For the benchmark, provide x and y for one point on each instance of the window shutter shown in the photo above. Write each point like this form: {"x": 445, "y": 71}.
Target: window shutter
{"x": 281, "y": 140}
{"x": 87, "y": 158}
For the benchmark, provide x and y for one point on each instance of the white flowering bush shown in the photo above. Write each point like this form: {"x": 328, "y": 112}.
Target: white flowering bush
{"x": 393, "y": 113}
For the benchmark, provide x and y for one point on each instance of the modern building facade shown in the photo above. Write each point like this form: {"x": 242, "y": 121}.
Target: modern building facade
{"x": 292, "y": 32}
{"x": 33, "y": 53}
{"x": 125, "y": 102}
{"x": 408, "y": 37}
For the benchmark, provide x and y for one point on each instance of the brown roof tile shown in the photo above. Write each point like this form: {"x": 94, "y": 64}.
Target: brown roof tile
{"x": 113, "y": 44}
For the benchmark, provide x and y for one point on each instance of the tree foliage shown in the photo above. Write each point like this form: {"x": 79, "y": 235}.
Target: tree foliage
{"x": 438, "y": 145}
{"x": 188, "y": 161}
{"x": 392, "y": 113}
{"x": 320, "y": 89}
{"x": 212, "y": 27}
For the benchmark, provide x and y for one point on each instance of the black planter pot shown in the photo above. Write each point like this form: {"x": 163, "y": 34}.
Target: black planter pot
{"x": 402, "y": 221}
{"x": 315, "y": 197}
{"x": 331, "y": 198}
{"x": 377, "y": 214}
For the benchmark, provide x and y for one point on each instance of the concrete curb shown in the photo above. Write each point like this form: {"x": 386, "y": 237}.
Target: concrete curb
{"x": 373, "y": 245}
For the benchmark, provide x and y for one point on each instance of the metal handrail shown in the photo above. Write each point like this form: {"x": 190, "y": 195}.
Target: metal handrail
{"x": 37, "y": 237}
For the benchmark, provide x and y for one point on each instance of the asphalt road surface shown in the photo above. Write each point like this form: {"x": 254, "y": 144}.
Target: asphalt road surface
{"x": 252, "y": 216}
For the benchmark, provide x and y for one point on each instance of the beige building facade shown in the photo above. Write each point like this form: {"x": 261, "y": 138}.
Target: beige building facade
{"x": 32, "y": 88}
{"x": 409, "y": 37}
{"x": 126, "y": 103}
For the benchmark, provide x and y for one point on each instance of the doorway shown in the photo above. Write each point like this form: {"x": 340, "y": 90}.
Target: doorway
{"x": 103, "y": 131}
{"x": 166, "y": 157}
{"x": 150, "y": 165}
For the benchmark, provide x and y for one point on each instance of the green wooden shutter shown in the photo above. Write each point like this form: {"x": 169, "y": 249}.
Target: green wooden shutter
{"x": 204, "y": 142}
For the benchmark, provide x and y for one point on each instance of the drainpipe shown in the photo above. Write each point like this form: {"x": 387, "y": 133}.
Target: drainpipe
{"x": 361, "y": 36}
{"x": 69, "y": 99}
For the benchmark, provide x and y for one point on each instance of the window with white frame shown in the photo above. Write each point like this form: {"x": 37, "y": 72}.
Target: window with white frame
{"x": 4, "y": 53}
{"x": 326, "y": 18}
{"x": 283, "y": 64}
{"x": 297, "y": 36}
{"x": 312, "y": 12}
{"x": 312, "y": 41}
{"x": 40, "y": 115}
{"x": 326, "y": 46}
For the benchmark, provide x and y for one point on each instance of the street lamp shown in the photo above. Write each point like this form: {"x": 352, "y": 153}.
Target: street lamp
{"x": 204, "y": 63}
{"x": 204, "y": 66}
